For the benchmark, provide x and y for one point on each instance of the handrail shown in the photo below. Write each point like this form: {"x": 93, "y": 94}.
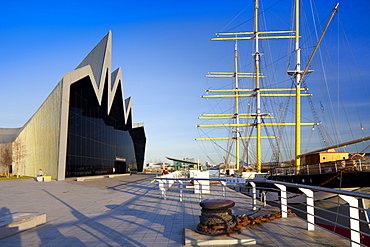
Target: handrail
{"x": 352, "y": 198}
{"x": 314, "y": 188}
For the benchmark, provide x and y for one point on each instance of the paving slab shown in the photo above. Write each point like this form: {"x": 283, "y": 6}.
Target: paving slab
{"x": 129, "y": 211}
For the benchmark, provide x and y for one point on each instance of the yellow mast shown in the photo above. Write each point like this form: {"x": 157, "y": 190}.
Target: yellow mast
{"x": 298, "y": 91}
{"x": 237, "y": 131}
{"x": 298, "y": 74}
{"x": 257, "y": 89}
{"x": 256, "y": 92}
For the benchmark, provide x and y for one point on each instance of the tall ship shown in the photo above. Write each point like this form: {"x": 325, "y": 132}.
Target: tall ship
{"x": 282, "y": 122}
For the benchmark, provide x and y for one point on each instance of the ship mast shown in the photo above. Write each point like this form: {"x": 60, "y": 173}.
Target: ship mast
{"x": 237, "y": 131}
{"x": 257, "y": 89}
{"x": 298, "y": 74}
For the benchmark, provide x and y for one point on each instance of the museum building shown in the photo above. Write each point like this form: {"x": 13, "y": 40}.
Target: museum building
{"x": 83, "y": 128}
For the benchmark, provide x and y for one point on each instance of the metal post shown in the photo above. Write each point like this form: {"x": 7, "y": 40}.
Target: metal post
{"x": 354, "y": 220}
{"x": 263, "y": 198}
{"x": 223, "y": 183}
{"x": 284, "y": 201}
{"x": 310, "y": 209}
{"x": 359, "y": 162}
{"x": 200, "y": 191}
{"x": 181, "y": 187}
{"x": 162, "y": 188}
{"x": 254, "y": 196}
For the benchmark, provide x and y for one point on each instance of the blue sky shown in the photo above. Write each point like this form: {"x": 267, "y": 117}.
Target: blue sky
{"x": 163, "y": 48}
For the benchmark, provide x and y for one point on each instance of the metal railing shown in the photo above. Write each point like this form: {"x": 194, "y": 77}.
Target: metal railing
{"x": 340, "y": 209}
{"x": 165, "y": 183}
{"x": 328, "y": 167}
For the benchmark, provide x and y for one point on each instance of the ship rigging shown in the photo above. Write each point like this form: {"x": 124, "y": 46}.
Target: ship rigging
{"x": 252, "y": 125}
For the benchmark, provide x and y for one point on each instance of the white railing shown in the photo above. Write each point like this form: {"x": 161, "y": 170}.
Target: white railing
{"x": 309, "y": 202}
{"x": 166, "y": 181}
{"x": 318, "y": 206}
{"x": 162, "y": 181}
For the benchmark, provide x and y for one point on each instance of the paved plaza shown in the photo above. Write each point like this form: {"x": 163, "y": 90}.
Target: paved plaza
{"x": 129, "y": 211}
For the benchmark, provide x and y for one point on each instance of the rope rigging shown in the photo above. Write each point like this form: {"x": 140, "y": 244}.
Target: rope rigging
{"x": 331, "y": 119}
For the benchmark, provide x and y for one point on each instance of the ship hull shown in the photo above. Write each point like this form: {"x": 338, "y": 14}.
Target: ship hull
{"x": 348, "y": 179}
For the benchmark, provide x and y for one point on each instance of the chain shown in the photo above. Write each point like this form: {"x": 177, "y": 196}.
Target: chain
{"x": 244, "y": 220}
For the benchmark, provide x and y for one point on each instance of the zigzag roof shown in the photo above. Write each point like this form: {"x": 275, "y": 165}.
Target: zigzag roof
{"x": 99, "y": 60}
{"x": 96, "y": 58}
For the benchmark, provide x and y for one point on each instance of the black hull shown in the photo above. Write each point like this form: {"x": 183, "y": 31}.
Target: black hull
{"x": 348, "y": 179}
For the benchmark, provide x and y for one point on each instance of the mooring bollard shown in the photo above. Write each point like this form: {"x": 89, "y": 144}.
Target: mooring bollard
{"x": 217, "y": 218}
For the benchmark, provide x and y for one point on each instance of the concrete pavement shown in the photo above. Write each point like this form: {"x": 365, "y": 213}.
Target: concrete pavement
{"x": 129, "y": 211}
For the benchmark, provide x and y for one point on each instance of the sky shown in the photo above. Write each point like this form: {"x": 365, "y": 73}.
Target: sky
{"x": 163, "y": 48}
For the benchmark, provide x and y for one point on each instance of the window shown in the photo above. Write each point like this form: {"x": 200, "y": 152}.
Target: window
{"x": 95, "y": 138}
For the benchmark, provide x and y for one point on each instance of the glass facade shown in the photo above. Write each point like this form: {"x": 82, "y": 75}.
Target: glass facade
{"x": 98, "y": 142}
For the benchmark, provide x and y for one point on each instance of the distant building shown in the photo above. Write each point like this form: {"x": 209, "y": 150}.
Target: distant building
{"x": 151, "y": 167}
{"x": 322, "y": 157}
{"x": 84, "y": 127}
{"x": 185, "y": 164}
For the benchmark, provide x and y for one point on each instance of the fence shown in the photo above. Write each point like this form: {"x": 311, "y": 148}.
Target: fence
{"x": 321, "y": 207}
{"x": 335, "y": 166}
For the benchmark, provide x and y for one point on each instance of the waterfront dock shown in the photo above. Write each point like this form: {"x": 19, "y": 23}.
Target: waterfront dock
{"x": 129, "y": 211}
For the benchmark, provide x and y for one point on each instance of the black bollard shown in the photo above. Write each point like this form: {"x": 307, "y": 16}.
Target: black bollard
{"x": 217, "y": 218}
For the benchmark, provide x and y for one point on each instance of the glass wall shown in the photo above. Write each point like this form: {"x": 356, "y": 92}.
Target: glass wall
{"x": 98, "y": 143}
